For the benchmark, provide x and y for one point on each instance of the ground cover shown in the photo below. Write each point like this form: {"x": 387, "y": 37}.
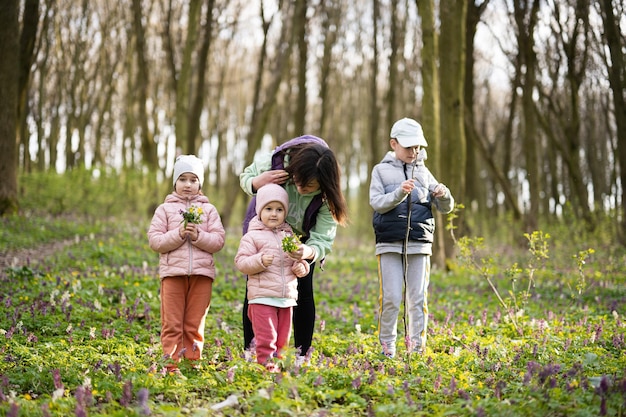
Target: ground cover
{"x": 79, "y": 329}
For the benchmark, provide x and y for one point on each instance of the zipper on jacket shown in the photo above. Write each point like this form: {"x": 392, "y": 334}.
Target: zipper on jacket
{"x": 190, "y": 248}
{"x": 282, "y": 262}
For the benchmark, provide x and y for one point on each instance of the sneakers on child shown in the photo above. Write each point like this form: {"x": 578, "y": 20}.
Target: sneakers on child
{"x": 388, "y": 355}
{"x": 273, "y": 368}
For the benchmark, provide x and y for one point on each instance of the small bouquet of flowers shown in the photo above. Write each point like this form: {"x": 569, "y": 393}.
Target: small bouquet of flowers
{"x": 290, "y": 243}
{"x": 192, "y": 215}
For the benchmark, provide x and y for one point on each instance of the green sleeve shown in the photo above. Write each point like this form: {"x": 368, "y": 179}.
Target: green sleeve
{"x": 261, "y": 164}
{"x": 322, "y": 235}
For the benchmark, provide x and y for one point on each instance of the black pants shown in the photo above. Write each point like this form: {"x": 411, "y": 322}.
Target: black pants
{"x": 303, "y": 316}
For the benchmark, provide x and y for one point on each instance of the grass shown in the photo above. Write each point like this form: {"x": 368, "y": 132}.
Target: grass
{"x": 80, "y": 334}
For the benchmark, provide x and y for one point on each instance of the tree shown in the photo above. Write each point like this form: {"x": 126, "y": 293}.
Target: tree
{"x": 148, "y": 147}
{"x": 617, "y": 79}
{"x": 9, "y": 78}
{"x": 28, "y": 37}
{"x": 453, "y": 150}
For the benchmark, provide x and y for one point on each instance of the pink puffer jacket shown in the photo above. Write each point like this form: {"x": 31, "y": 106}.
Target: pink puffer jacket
{"x": 277, "y": 280}
{"x": 182, "y": 256}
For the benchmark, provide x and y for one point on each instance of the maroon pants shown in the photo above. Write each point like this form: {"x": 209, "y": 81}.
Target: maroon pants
{"x": 272, "y": 327}
{"x": 185, "y": 302}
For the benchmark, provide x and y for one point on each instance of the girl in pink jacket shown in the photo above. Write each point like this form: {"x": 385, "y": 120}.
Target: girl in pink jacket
{"x": 272, "y": 274}
{"x": 186, "y": 230}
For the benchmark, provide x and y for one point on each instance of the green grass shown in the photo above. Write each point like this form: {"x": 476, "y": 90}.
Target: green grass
{"x": 80, "y": 333}
{"x": 92, "y": 317}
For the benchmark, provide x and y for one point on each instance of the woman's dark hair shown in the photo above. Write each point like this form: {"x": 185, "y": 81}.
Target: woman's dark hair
{"x": 316, "y": 162}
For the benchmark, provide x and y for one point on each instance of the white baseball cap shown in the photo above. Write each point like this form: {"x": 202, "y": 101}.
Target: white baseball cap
{"x": 408, "y": 133}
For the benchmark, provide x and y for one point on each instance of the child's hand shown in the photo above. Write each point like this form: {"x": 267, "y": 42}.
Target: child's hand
{"x": 408, "y": 186}
{"x": 191, "y": 230}
{"x": 267, "y": 260}
{"x": 300, "y": 269}
{"x": 439, "y": 191}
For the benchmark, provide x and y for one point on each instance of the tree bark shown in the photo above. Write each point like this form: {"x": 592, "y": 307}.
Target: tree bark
{"x": 30, "y": 20}
{"x": 430, "y": 119}
{"x": 526, "y": 19}
{"x": 9, "y": 78}
{"x": 453, "y": 154}
{"x": 142, "y": 80}
{"x": 201, "y": 74}
{"x": 300, "y": 27}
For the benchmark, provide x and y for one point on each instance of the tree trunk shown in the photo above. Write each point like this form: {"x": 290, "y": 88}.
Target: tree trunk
{"x": 182, "y": 79}
{"x": 30, "y": 19}
{"x": 300, "y": 27}
{"x": 453, "y": 154}
{"x": 331, "y": 16}
{"x": 431, "y": 108}
{"x": 617, "y": 80}
{"x": 374, "y": 141}
{"x": 148, "y": 147}
{"x": 199, "y": 90}
{"x": 395, "y": 49}
{"x": 9, "y": 78}
{"x": 262, "y": 110}
{"x": 526, "y": 19}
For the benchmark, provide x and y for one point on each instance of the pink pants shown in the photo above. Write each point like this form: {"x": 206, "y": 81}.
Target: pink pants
{"x": 272, "y": 328}
{"x": 185, "y": 302}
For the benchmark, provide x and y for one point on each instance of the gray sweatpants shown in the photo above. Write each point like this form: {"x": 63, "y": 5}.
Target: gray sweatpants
{"x": 391, "y": 279}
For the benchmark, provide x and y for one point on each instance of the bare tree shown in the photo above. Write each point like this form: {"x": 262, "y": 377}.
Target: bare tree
{"x": 453, "y": 149}
{"x": 264, "y": 100}
{"x": 300, "y": 27}
{"x": 611, "y": 15}
{"x": 9, "y": 77}
{"x": 142, "y": 80}
{"x": 30, "y": 20}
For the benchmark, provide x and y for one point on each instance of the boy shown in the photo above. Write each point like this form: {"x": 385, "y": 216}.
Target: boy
{"x": 402, "y": 192}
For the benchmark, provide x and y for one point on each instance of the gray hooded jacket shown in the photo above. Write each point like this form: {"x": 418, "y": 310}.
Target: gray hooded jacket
{"x": 391, "y": 205}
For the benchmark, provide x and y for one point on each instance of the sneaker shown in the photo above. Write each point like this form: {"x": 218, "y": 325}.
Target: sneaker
{"x": 388, "y": 355}
{"x": 272, "y": 368}
{"x": 301, "y": 361}
{"x": 175, "y": 372}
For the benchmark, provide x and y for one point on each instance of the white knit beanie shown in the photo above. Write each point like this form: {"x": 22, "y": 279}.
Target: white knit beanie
{"x": 188, "y": 163}
{"x": 269, "y": 193}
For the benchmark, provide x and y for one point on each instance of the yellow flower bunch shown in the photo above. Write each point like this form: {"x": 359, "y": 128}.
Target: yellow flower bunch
{"x": 290, "y": 243}
{"x": 192, "y": 215}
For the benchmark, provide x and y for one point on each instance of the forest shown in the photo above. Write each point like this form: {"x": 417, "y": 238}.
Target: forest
{"x": 522, "y": 101}
{"x": 523, "y": 105}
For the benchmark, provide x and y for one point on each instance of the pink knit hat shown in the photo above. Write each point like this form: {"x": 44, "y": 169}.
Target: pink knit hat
{"x": 269, "y": 193}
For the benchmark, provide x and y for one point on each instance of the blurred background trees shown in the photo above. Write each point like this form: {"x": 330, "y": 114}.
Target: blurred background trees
{"x": 522, "y": 101}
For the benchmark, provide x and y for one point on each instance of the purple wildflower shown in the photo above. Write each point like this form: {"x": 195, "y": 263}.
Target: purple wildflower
{"x": 127, "y": 394}
{"x": 567, "y": 345}
{"x": 372, "y": 377}
{"x": 437, "y": 383}
{"x": 463, "y": 394}
{"x": 356, "y": 383}
{"x": 598, "y": 332}
{"x": 80, "y": 411}
{"x": 500, "y": 385}
{"x": 14, "y": 411}
{"x": 142, "y": 398}
{"x": 407, "y": 393}
{"x": 56, "y": 377}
